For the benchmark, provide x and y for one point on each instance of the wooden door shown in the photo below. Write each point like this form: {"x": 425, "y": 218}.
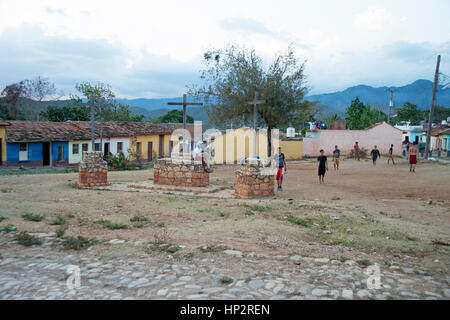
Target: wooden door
{"x": 150, "y": 151}
{"x": 161, "y": 139}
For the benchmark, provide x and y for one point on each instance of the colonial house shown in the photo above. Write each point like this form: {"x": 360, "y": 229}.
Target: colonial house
{"x": 437, "y": 137}
{"x": 381, "y": 134}
{"x": 234, "y": 145}
{"x": 26, "y": 143}
{"x": 3, "y": 125}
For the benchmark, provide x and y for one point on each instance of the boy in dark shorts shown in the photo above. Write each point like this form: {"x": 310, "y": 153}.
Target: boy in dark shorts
{"x": 323, "y": 166}
{"x": 281, "y": 169}
{"x": 375, "y": 153}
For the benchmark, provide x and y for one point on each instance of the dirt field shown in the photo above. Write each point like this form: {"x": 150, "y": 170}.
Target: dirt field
{"x": 383, "y": 214}
{"x": 383, "y": 208}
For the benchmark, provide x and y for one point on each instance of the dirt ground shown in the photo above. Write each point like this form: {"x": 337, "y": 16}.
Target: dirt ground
{"x": 382, "y": 210}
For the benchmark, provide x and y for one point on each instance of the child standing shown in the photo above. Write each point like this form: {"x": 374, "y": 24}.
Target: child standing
{"x": 323, "y": 166}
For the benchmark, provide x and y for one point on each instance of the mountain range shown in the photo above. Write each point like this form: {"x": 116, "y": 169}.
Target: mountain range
{"x": 419, "y": 92}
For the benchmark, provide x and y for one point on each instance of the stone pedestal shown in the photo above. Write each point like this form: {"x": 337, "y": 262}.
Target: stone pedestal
{"x": 179, "y": 173}
{"x": 92, "y": 171}
{"x": 254, "y": 179}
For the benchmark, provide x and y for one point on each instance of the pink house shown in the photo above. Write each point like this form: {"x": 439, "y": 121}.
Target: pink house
{"x": 381, "y": 134}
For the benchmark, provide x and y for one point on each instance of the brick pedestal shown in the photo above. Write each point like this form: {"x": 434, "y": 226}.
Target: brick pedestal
{"x": 92, "y": 171}
{"x": 251, "y": 182}
{"x": 180, "y": 173}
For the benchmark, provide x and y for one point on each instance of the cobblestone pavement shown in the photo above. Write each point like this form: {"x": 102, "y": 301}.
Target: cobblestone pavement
{"x": 40, "y": 272}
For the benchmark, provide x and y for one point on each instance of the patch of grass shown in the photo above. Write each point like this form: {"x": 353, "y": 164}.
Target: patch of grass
{"x": 32, "y": 217}
{"x": 2, "y": 218}
{"x": 27, "y": 240}
{"x": 139, "y": 224}
{"x": 59, "y": 221}
{"x": 249, "y": 213}
{"x": 298, "y": 221}
{"x": 113, "y": 226}
{"x": 226, "y": 280}
{"x": 6, "y": 190}
{"x": 139, "y": 218}
{"x": 78, "y": 243}
{"x": 70, "y": 216}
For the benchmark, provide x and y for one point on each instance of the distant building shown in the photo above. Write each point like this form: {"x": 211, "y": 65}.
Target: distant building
{"x": 381, "y": 134}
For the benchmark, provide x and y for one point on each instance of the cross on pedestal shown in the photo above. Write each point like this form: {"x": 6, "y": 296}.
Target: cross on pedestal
{"x": 184, "y": 104}
{"x": 255, "y": 103}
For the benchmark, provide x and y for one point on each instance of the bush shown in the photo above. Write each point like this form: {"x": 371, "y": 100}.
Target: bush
{"x": 119, "y": 161}
{"x": 78, "y": 243}
{"x": 2, "y": 218}
{"x": 32, "y": 217}
{"x": 226, "y": 280}
{"x": 27, "y": 240}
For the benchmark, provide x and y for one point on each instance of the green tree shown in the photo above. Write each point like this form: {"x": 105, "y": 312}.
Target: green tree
{"x": 174, "y": 116}
{"x": 361, "y": 116}
{"x": 66, "y": 113}
{"x": 408, "y": 112}
{"x": 439, "y": 113}
{"x": 234, "y": 74}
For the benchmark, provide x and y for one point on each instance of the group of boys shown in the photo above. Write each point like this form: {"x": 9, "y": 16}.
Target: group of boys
{"x": 323, "y": 162}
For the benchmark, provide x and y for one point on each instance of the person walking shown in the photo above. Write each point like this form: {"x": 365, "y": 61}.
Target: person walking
{"x": 357, "y": 151}
{"x": 391, "y": 154}
{"x": 412, "y": 157}
{"x": 281, "y": 159}
{"x": 323, "y": 166}
{"x": 375, "y": 153}
{"x": 336, "y": 155}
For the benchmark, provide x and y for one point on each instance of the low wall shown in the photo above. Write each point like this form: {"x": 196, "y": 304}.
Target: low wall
{"x": 92, "y": 170}
{"x": 179, "y": 173}
{"x": 250, "y": 182}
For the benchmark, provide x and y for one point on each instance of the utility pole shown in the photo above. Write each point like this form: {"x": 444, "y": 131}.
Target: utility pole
{"x": 433, "y": 97}
{"x": 92, "y": 128}
{"x": 391, "y": 104}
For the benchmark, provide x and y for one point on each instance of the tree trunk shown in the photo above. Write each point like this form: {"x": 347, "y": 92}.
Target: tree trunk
{"x": 269, "y": 141}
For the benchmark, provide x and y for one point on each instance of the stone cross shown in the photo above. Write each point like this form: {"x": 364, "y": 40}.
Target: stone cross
{"x": 255, "y": 103}
{"x": 184, "y": 104}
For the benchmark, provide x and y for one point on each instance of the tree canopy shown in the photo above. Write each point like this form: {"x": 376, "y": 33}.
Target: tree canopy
{"x": 233, "y": 75}
{"x": 361, "y": 116}
{"x": 173, "y": 116}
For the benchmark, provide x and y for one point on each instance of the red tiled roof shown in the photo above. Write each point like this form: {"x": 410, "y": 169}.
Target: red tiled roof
{"x": 26, "y": 131}
{"x": 4, "y": 122}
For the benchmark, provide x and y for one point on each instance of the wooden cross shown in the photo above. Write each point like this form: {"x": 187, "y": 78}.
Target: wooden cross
{"x": 255, "y": 103}
{"x": 184, "y": 104}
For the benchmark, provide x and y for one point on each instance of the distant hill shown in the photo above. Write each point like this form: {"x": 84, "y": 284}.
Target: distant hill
{"x": 419, "y": 92}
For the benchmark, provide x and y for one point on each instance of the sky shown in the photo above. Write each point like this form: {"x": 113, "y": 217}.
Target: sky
{"x": 154, "y": 49}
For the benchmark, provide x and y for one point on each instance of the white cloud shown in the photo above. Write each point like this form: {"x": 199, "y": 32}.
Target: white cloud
{"x": 374, "y": 19}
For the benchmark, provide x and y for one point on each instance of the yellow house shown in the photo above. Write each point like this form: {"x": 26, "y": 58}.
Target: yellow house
{"x": 235, "y": 145}
{"x": 3, "y": 125}
{"x": 156, "y": 140}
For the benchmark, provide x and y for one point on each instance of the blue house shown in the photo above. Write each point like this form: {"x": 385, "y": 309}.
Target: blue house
{"x": 32, "y": 144}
